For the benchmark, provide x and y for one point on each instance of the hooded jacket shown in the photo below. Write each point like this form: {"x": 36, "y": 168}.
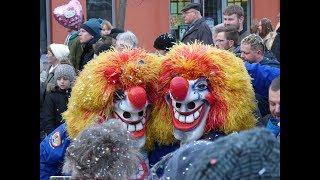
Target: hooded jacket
{"x": 54, "y": 104}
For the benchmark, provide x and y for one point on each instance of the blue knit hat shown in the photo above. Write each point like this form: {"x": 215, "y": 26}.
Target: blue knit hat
{"x": 93, "y": 27}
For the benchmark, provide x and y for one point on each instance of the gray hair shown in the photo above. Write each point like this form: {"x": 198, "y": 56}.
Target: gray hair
{"x": 128, "y": 38}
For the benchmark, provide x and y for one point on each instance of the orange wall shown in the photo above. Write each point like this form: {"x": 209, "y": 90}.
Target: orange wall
{"x": 58, "y": 32}
{"x": 147, "y": 20}
{"x": 266, "y": 8}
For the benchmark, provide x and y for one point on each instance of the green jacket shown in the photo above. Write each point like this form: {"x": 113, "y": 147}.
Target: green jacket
{"x": 75, "y": 53}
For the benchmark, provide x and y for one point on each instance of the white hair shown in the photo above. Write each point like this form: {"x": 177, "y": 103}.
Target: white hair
{"x": 127, "y": 38}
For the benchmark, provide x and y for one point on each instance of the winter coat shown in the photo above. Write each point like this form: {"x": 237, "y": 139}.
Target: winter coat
{"x": 270, "y": 62}
{"x": 76, "y": 51}
{"x": 42, "y": 93}
{"x": 263, "y": 105}
{"x": 270, "y": 55}
{"x": 268, "y": 40}
{"x": 271, "y": 124}
{"x": 52, "y": 150}
{"x": 86, "y": 56}
{"x": 198, "y": 31}
{"x": 244, "y": 33}
{"x": 50, "y": 82}
{"x": 54, "y": 104}
{"x": 262, "y": 122}
{"x": 262, "y": 76}
{"x": 275, "y": 48}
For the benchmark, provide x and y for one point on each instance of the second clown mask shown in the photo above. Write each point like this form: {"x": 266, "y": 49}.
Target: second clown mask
{"x": 206, "y": 90}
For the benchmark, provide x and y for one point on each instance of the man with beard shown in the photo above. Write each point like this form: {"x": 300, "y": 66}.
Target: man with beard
{"x": 234, "y": 15}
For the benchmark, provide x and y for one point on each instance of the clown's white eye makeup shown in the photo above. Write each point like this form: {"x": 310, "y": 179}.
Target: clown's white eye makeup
{"x": 201, "y": 85}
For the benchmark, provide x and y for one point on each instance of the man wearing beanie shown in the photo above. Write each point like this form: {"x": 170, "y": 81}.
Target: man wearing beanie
{"x": 163, "y": 43}
{"x": 89, "y": 33}
{"x": 56, "y": 101}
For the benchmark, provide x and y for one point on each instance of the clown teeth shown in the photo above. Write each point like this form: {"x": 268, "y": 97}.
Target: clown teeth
{"x": 189, "y": 119}
{"x": 131, "y": 128}
{"x": 176, "y": 115}
{"x": 182, "y": 119}
{"x": 143, "y": 120}
{"x": 196, "y": 114}
{"x": 140, "y": 168}
{"x": 140, "y": 174}
{"x": 139, "y": 126}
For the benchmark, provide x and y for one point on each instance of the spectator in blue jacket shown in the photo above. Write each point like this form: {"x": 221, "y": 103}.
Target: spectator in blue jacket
{"x": 262, "y": 76}
{"x": 253, "y": 50}
{"x": 272, "y": 120}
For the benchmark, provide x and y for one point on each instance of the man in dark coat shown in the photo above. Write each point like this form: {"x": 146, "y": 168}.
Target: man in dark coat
{"x": 275, "y": 48}
{"x": 197, "y": 29}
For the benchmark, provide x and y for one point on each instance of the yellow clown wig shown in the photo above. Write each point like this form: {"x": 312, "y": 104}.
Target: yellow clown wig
{"x": 93, "y": 92}
{"x": 228, "y": 80}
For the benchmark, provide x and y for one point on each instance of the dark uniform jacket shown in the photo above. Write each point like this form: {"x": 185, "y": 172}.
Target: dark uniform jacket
{"x": 200, "y": 31}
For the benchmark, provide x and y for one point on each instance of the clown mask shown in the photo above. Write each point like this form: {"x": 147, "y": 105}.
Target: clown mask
{"x": 131, "y": 108}
{"x": 189, "y": 106}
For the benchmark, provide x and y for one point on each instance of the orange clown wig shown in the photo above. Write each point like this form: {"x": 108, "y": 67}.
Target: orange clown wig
{"x": 232, "y": 96}
{"x": 92, "y": 94}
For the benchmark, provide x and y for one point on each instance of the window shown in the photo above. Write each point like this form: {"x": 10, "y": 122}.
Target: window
{"x": 177, "y": 25}
{"x": 100, "y": 9}
{"x": 212, "y": 12}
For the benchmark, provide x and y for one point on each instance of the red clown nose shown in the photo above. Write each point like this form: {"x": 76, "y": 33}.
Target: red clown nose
{"x": 137, "y": 96}
{"x": 179, "y": 88}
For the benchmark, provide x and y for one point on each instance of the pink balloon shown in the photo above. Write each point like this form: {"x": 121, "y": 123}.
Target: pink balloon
{"x": 69, "y": 15}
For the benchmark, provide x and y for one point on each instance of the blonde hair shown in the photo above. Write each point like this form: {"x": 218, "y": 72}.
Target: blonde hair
{"x": 107, "y": 24}
{"x": 255, "y": 41}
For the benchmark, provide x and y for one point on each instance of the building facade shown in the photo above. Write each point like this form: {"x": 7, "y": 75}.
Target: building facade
{"x": 147, "y": 19}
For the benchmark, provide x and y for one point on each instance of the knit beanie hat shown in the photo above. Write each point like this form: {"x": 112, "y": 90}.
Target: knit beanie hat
{"x": 93, "y": 27}
{"x": 65, "y": 70}
{"x": 252, "y": 154}
{"x": 60, "y": 51}
{"x": 164, "y": 42}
